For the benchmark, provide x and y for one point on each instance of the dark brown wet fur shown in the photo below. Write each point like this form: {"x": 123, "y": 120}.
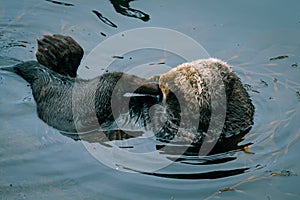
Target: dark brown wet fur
{"x": 59, "y": 53}
{"x": 76, "y": 105}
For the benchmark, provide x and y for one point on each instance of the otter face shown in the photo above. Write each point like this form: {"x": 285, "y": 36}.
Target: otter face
{"x": 183, "y": 83}
{"x": 181, "y": 104}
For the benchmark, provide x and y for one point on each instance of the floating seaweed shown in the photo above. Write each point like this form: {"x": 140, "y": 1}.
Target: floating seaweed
{"x": 226, "y": 189}
{"x": 283, "y": 172}
{"x": 279, "y": 57}
{"x": 249, "y": 87}
{"x": 119, "y": 57}
{"x": 263, "y": 83}
{"x": 294, "y": 65}
{"x": 104, "y": 19}
{"x": 159, "y": 63}
{"x": 60, "y": 3}
{"x": 103, "y": 34}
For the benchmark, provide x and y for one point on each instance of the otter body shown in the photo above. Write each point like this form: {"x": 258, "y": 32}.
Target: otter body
{"x": 77, "y": 105}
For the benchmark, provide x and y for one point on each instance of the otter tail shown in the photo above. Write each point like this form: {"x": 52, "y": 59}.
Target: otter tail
{"x": 29, "y": 70}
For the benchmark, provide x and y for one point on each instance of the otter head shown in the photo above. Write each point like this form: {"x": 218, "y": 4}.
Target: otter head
{"x": 188, "y": 86}
{"x": 194, "y": 92}
{"x": 180, "y": 88}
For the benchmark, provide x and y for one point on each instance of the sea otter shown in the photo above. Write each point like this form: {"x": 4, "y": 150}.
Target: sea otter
{"x": 199, "y": 101}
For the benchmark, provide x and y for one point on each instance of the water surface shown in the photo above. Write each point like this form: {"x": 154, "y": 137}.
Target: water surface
{"x": 259, "y": 39}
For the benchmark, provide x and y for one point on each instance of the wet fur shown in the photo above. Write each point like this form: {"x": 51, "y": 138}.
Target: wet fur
{"x": 188, "y": 91}
{"x": 77, "y": 105}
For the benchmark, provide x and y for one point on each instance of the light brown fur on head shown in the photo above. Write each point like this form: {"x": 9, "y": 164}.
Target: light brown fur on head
{"x": 202, "y": 88}
{"x": 194, "y": 83}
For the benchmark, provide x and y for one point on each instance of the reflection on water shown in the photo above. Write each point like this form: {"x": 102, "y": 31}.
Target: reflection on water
{"x": 122, "y": 7}
{"x": 60, "y": 3}
{"x": 206, "y": 175}
{"x": 37, "y": 161}
{"x": 104, "y": 19}
{"x": 222, "y": 152}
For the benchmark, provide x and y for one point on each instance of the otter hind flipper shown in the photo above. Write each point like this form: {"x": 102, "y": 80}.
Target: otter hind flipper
{"x": 60, "y": 53}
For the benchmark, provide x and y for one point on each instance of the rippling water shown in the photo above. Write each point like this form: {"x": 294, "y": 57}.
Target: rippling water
{"x": 259, "y": 39}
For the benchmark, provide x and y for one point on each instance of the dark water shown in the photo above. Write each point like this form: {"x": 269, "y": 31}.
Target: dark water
{"x": 259, "y": 39}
